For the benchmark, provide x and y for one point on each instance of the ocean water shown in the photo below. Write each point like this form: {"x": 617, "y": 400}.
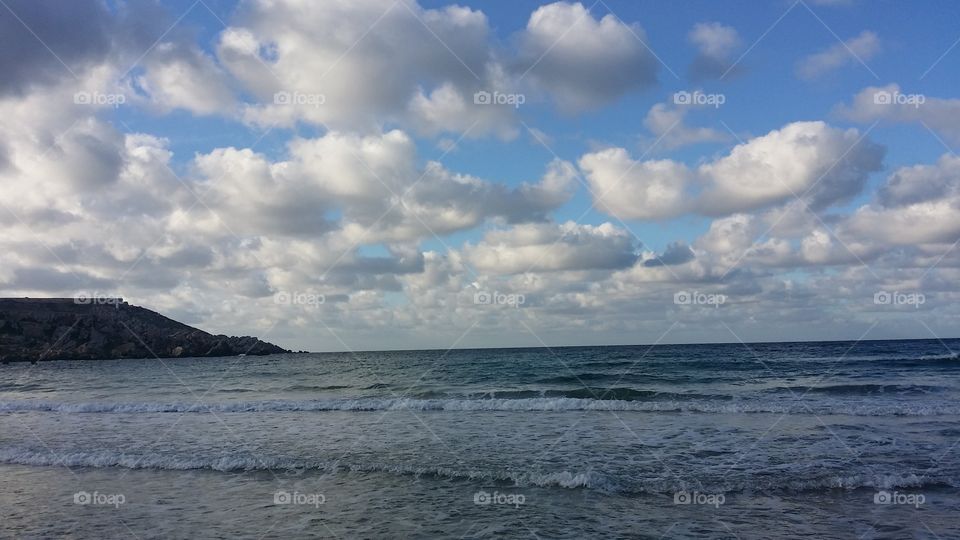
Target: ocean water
{"x": 821, "y": 440}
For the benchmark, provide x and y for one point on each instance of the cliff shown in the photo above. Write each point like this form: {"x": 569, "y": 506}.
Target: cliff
{"x": 33, "y": 329}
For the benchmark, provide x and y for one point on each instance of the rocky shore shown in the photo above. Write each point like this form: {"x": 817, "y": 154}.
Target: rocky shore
{"x": 36, "y": 329}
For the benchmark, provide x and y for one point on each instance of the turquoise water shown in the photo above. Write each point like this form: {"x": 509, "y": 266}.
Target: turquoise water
{"x": 833, "y": 440}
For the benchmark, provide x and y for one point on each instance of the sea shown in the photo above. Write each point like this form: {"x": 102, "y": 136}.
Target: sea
{"x": 777, "y": 440}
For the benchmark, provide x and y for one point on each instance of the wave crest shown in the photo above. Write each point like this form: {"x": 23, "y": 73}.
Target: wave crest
{"x": 555, "y": 404}
{"x": 590, "y": 480}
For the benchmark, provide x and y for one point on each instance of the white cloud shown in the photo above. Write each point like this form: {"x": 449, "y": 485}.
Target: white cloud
{"x": 447, "y": 110}
{"x": 178, "y": 77}
{"x": 549, "y": 248}
{"x": 811, "y": 161}
{"x": 714, "y": 39}
{"x": 729, "y": 237}
{"x": 920, "y": 183}
{"x": 716, "y": 44}
{"x": 912, "y": 222}
{"x": 368, "y": 61}
{"x": 890, "y": 103}
{"x": 374, "y": 182}
{"x": 924, "y": 222}
{"x": 858, "y": 49}
{"x": 583, "y": 62}
{"x": 630, "y": 189}
{"x": 667, "y": 126}
{"x": 398, "y": 72}
{"x": 917, "y": 205}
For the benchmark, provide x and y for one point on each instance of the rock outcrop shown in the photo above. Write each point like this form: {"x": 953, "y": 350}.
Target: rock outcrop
{"x": 33, "y": 329}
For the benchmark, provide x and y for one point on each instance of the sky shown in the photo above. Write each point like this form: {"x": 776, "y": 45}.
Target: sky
{"x": 394, "y": 174}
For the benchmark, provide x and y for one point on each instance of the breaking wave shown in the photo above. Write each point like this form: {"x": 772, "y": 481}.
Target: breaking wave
{"x": 543, "y": 404}
{"x": 591, "y": 480}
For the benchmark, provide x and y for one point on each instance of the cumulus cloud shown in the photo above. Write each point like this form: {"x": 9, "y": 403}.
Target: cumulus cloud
{"x": 422, "y": 68}
{"x": 632, "y": 189}
{"x": 373, "y": 182}
{"x": 581, "y": 61}
{"x": 917, "y": 204}
{"x": 447, "y": 110}
{"x": 924, "y": 222}
{"x": 403, "y": 60}
{"x": 911, "y": 222}
{"x": 78, "y": 33}
{"x": 44, "y": 47}
{"x": 810, "y": 161}
{"x": 182, "y": 77}
{"x": 858, "y": 49}
{"x": 667, "y": 125}
{"x": 918, "y": 183}
{"x": 676, "y": 253}
{"x": 550, "y": 247}
{"x": 728, "y": 237}
{"x": 891, "y": 104}
{"x": 715, "y": 44}
{"x": 60, "y": 156}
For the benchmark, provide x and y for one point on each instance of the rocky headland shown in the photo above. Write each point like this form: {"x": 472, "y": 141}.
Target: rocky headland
{"x": 36, "y": 329}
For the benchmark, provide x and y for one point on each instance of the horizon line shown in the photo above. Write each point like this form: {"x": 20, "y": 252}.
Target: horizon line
{"x": 550, "y": 347}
